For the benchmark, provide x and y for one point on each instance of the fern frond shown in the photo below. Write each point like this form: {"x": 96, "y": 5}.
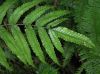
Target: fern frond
{"x": 87, "y": 16}
{"x": 30, "y": 32}
{"x": 10, "y": 42}
{"x": 92, "y": 66}
{"x": 47, "y": 44}
{"x": 4, "y": 7}
{"x": 56, "y": 22}
{"x": 19, "y": 45}
{"x": 16, "y": 31}
{"x": 56, "y": 41}
{"x": 46, "y": 69}
{"x": 50, "y": 16}
{"x": 21, "y": 10}
{"x": 29, "y": 19}
{"x": 31, "y": 36}
{"x": 69, "y": 35}
{"x": 22, "y": 43}
{"x": 3, "y": 60}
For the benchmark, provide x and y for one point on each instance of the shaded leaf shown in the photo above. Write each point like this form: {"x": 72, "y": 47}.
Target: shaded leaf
{"x": 3, "y": 59}
{"x": 56, "y": 41}
{"x": 31, "y": 36}
{"x": 47, "y": 44}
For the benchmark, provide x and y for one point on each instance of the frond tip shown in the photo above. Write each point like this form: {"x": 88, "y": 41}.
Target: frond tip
{"x": 69, "y": 35}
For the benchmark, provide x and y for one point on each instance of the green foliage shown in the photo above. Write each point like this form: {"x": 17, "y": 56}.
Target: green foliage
{"x": 21, "y": 10}
{"x": 22, "y": 43}
{"x": 68, "y": 53}
{"x": 44, "y": 35}
{"x": 3, "y": 9}
{"x": 56, "y": 41}
{"x": 46, "y": 69}
{"x": 50, "y": 16}
{"x": 3, "y": 59}
{"x": 31, "y": 36}
{"x": 88, "y": 19}
{"x": 69, "y": 35}
{"x": 47, "y": 44}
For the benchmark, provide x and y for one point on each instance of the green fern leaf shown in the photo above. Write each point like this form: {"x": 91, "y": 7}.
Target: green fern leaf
{"x": 31, "y": 36}
{"x": 56, "y": 41}
{"x": 47, "y": 69}
{"x": 56, "y": 22}
{"x": 29, "y": 19}
{"x": 69, "y": 35}
{"x": 20, "y": 10}
{"x": 4, "y": 7}
{"x": 16, "y": 31}
{"x": 47, "y": 44}
{"x": 3, "y": 60}
{"x": 50, "y": 16}
{"x": 22, "y": 43}
{"x": 89, "y": 21}
{"x": 87, "y": 15}
{"x": 4, "y": 35}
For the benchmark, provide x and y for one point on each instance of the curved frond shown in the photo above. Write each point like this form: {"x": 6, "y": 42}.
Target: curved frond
{"x": 50, "y": 16}
{"x": 46, "y": 25}
{"x": 31, "y": 36}
{"x": 69, "y": 35}
{"x": 18, "y": 36}
{"x": 10, "y": 42}
{"x": 29, "y": 19}
{"x": 22, "y": 43}
{"x": 56, "y": 22}
{"x": 56, "y": 41}
{"x": 47, "y": 44}
{"x": 87, "y": 15}
{"x": 4, "y": 7}
{"x": 21, "y": 10}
